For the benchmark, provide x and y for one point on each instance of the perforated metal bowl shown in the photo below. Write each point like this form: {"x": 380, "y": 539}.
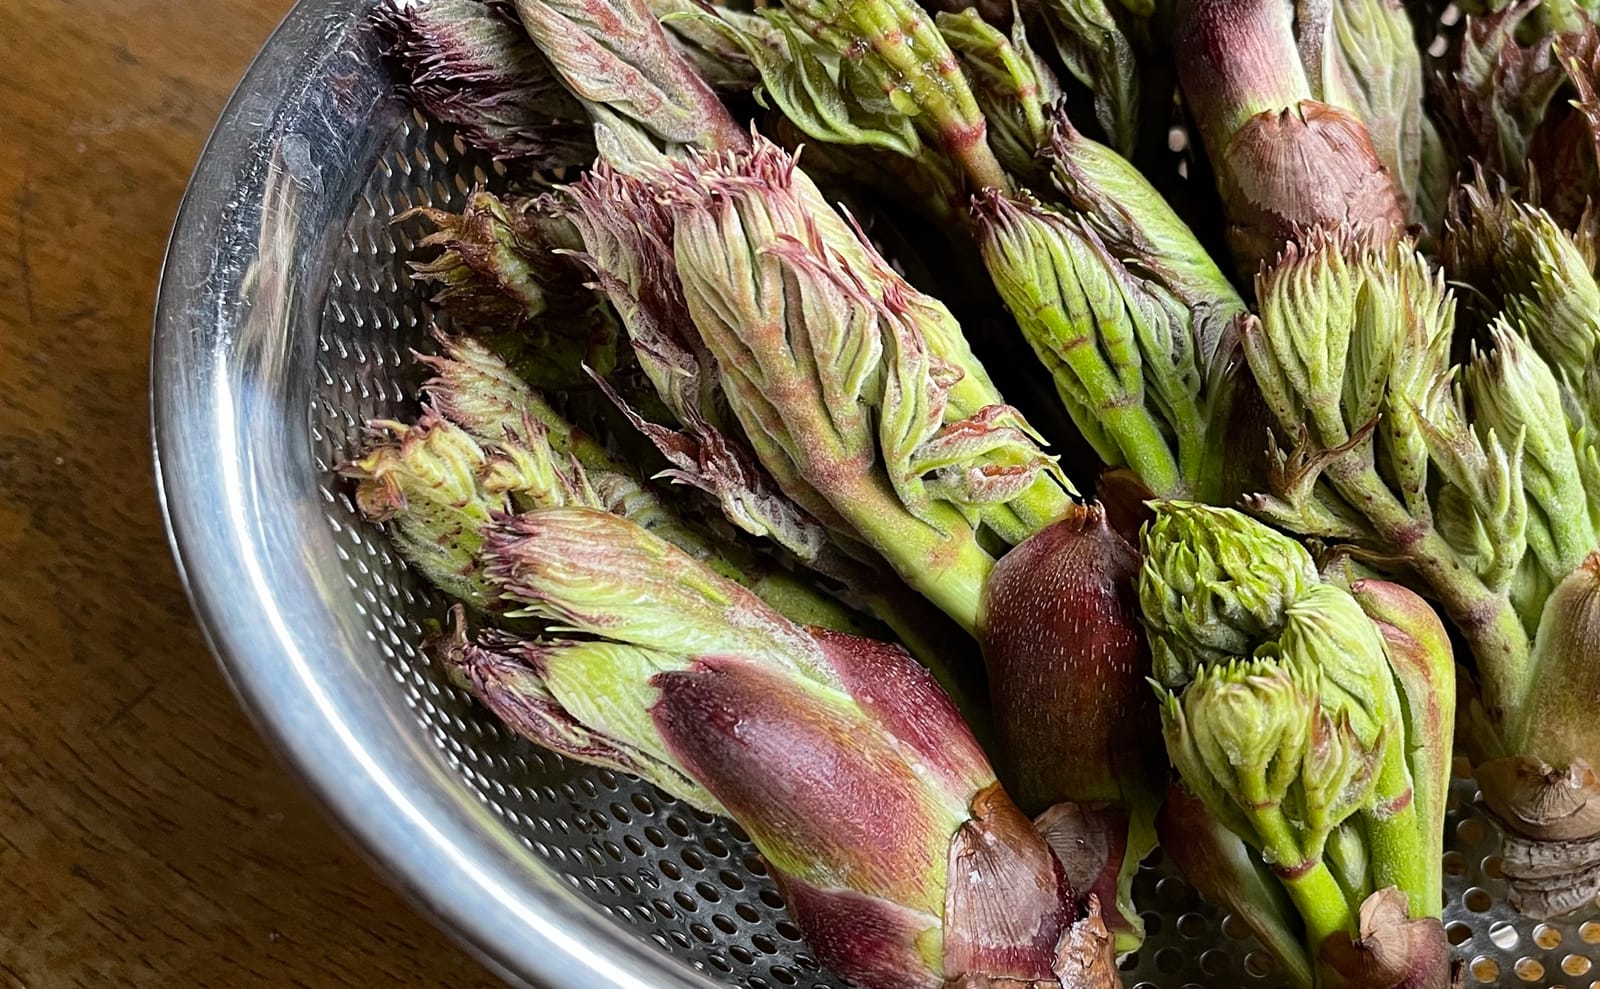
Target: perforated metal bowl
{"x": 284, "y": 323}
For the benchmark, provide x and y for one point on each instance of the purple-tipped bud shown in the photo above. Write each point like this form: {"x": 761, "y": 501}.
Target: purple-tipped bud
{"x": 498, "y": 273}
{"x": 846, "y": 810}
{"x": 906, "y": 864}
{"x": 1078, "y": 725}
{"x": 1500, "y": 99}
{"x": 470, "y": 64}
{"x": 904, "y": 698}
{"x": 510, "y": 676}
{"x": 882, "y": 858}
{"x": 856, "y": 391}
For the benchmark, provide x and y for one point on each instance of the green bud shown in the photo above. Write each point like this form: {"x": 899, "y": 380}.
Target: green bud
{"x": 1350, "y": 859}
{"x": 1327, "y": 630}
{"x": 1299, "y": 348}
{"x": 1482, "y": 507}
{"x": 425, "y": 480}
{"x": 1099, "y": 53}
{"x": 1121, "y": 351}
{"x": 1418, "y": 361}
{"x": 1142, "y": 231}
{"x": 1238, "y": 735}
{"x": 1359, "y": 707}
{"x": 1012, "y": 84}
{"x": 1355, "y": 332}
{"x": 1521, "y": 261}
{"x": 1214, "y": 585}
{"x": 594, "y": 572}
{"x": 1338, "y": 779}
{"x": 819, "y": 93}
{"x": 903, "y": 55}
{"x": 615, "y": 56}
{"x": 1513, "y": 393}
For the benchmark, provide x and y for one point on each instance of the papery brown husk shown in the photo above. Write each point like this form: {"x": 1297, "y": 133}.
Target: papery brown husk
{"x": 1085, "y": 959}
{"x": 1091, "y": 842}
{"x": 1312, "y": 165}
{"x": 1008, "y": 902}
{"x": 1010, "y": 921}
{"x": 1390, "y": 951}
{"x": 1550, "y": 824}
{"x": 1547, "y": 797}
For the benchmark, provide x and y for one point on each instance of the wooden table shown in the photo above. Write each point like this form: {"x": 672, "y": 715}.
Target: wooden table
{"x": 147, "y": 838}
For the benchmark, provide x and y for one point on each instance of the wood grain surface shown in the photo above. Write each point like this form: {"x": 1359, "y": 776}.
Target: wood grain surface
{"x": 147, "y": 838}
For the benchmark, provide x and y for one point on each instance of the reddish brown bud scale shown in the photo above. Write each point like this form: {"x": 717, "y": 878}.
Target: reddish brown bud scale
{"x": 1284, "y": 161}
{"x": 1124, "y": 498}
{"x": 1091, "y": 842}
{"x": 729, "y": 722}
{"x": 1307, "y": 166}
{"x": 904, "y": 862}
{"x": 905, "y": 699}
{"x": 1067, "y": 666}
{"x": 867, "y": 940}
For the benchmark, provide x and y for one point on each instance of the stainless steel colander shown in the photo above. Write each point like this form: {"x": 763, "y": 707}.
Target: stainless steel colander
{"x": 284, "y": 323}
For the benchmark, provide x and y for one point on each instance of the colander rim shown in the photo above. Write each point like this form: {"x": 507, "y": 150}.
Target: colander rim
{"x": 393, "y": 799}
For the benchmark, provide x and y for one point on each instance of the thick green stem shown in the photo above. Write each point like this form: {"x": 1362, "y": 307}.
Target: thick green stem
{"x": 1146, "y": 449}
{"x": 1399, "y": 856}
{"x": 904, "y": 37}
{"x": 1319, "y": 898}
{"x": 944, "y": 563}
{"x": 1312, "y": 886}
{"x": 1088, "y": 383}
{"x": 1229, "y": 873}
{"x": 1237, "y": 58}
{"x": 977, "y": 160}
